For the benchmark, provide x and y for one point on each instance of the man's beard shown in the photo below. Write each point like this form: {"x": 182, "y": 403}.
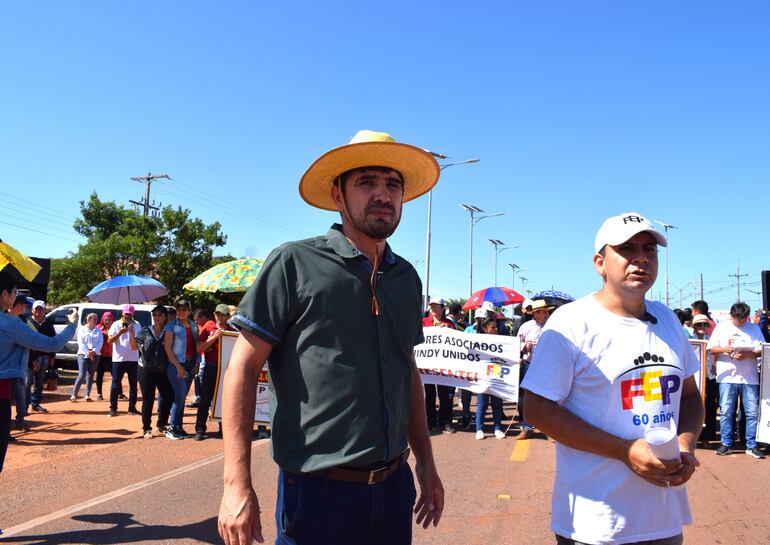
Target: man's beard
{"x": 379, "y": 228}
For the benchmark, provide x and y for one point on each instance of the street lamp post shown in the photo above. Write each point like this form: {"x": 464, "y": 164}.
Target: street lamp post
{"x": 496, "y": 243}
{"x": 524, "y": 281}
{"x": 513, "y": 267}
{"x": 666, "y": 227}
{"x": 430, "y": 210}
{"x": 474, "y": 220}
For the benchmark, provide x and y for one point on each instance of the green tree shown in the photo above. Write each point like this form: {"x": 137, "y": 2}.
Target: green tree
{"x": 173, "y": 248}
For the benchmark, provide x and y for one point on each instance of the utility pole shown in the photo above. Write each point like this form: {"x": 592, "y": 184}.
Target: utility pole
{"x": 145, "y": 202}
{"x": 737, "y": 276}
{"x": 701, "y": 286}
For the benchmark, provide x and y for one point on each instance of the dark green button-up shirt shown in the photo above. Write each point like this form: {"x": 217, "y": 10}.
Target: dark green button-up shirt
{"x": 340, "y": 377}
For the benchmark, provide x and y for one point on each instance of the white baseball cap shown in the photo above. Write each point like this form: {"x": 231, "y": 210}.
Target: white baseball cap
{"x": 618, "y": 229}
{"x": 437, "y": 301}
{"x": 38, "y": 304}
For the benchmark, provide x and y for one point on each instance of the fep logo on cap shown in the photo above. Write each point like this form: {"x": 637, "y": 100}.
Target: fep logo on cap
{"x": 618, "y": 229}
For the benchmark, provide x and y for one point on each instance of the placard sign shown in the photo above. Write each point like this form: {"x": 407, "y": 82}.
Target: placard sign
{"x": 763, "y": 426}
{"x": 699, "y": 347}
{"x": 262, "y": 412}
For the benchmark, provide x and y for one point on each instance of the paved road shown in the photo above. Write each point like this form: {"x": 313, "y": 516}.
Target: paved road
{"x": 160, "y": 491}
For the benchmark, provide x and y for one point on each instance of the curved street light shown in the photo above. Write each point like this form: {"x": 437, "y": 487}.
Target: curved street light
{"x": 430, "y": 211}
{"x": 474, "y": 220}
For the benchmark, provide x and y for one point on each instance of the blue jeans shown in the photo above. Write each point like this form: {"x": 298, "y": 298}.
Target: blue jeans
{"x": 482, "y": 402}
{"x": 86, "y": 370}
{"x": 119, "y": 368}
{"x": 728, "y": 394}
{"x": 181, "y": 387}
{"x": 19, "y": 395}
{"x": 317, "y": 511}
{"x": 36, "y": 379}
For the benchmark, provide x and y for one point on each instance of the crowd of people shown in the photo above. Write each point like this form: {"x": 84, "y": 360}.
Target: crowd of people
{"x": 178, "y": 349}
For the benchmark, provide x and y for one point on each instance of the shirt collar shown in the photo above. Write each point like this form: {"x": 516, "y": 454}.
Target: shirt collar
{"x": 343, "y": 248}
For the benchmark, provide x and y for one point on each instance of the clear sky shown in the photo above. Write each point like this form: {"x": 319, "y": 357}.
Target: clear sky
{"x": 577, "y": 110}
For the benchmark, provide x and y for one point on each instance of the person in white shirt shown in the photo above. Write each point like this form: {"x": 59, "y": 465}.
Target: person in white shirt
{"x": 90, "y": 340}
{"x": 125, "y": 358}
{"x": 608, "y": 367}
{"x": 529, "y": 335}
{"x": 736, "y": 345}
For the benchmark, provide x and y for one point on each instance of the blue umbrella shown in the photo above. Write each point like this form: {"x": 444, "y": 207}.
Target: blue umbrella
{"x": 554, "y": 294}
{"x": 127, "y": 289}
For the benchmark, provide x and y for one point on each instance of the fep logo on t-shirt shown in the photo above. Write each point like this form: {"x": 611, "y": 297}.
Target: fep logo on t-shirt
{"x": 647, "y": 387}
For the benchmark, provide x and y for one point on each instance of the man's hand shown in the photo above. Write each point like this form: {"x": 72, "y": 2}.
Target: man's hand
{"x": 643, "y": 462}
{"x": 689, "y": 463}
{"x": 239, "y": 522}
{"x": 180, "y": 372}
{"x": 430, "y": 502}
{"x": 73, "y": 316}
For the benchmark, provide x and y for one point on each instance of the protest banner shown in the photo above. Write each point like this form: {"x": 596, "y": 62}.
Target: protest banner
{"x": 763, "y": 426}
{"x": 262, "y": 412}
{"x": 699, "y": 347}
{"x": 487, "y": 364}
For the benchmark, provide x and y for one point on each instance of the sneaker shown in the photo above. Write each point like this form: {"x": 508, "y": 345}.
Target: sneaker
{"x": 21, "y": 426}
{"x": 112, "y": 413}
{"x": 193, "y": 404}
{"x": 262, "y": 433}
{"x": 148, "y": 434}
{"x": 755, "y": 452}
{"x": 162, "y": 429}
{"x": 448, "y": 428}
{"x": 122, "y": 397}
{"x": 499, "y": 434}
{"x": 39, "y": 409}
{"x": 183, "y": 433}
{"x": 479, "y": 435}
{"x": 132, "y": 410}
{"x": 100, "y": 397}
{"x": 200, "y": 435}
{"x": 88, "y": 399}
{"x": 722, "y": 450}
{"x": 73, "y": 400}
{"x": 173, "y": 434}
{"x": 436, "y": 429}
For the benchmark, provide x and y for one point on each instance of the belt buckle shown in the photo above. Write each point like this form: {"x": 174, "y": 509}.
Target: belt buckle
{"x": 373, "y": 472}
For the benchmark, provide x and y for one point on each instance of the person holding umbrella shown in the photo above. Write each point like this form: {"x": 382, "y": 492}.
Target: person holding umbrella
{"x": 16, "y": 339}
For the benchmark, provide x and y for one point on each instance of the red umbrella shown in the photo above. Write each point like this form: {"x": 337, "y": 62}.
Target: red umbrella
{"x": 498, "y": 296}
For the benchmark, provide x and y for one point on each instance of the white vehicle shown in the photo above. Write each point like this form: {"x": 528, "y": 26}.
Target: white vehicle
{"x": 58, "y": 316}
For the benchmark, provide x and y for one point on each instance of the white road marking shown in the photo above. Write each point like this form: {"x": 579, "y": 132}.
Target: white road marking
{"x": 24, "y": 526}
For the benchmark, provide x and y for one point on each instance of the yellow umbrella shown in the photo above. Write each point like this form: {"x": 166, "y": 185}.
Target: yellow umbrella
{"x": 11, "y": 256}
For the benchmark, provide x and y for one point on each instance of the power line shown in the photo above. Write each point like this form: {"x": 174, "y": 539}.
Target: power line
{"x": 25, "y": 228}
{"x": 38, "y": 205}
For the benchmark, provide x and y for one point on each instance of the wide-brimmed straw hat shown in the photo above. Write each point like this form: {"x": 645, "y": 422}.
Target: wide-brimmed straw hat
{"x": 418, "y": 168}
{"x": 539, "y": 304}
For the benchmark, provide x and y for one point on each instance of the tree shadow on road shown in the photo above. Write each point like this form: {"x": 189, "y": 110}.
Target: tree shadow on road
{"x": 122, "y": 528}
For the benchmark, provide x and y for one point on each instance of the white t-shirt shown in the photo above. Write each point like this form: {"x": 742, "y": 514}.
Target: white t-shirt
{"x": 121, "y": 349}
{"x": 621, "y": 375}
{"x": 530, "y": 331}
{"x": 730, "y": 370}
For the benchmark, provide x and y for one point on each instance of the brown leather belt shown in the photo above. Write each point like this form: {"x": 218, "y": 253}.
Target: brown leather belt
{"x": 372, "y": 476}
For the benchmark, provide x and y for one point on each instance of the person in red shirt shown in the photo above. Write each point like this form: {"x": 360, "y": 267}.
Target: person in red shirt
{"x": 441, "y": 422}
{"x": 208, "y": 344}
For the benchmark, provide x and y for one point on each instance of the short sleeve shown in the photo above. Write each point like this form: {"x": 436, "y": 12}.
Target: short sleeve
{"x": 690, "y": 363}
{"x": 552, "y": 370}
{"x": 267, "y": 306}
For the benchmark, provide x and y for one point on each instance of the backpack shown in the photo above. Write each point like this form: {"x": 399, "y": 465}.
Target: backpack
{"x": 154, "y": 358}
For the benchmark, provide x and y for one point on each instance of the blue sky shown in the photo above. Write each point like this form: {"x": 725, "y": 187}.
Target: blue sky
{"x": 577, "y": 111}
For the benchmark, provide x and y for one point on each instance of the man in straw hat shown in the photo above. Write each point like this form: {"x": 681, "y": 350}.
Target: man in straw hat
{"x": 609, "y": 368}
{"x": 529, "y": 334}
{"x": 337, "y": 316}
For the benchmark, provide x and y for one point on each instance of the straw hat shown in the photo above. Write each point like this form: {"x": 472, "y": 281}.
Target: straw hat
{"x": 540, "y": 304}
{"x": 369, "y": 148}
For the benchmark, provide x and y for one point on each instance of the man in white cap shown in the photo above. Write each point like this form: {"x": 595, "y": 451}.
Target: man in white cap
{"x": 529, "y": 335}
{"x": 337, "y": 317}
{"x": 607, "y": 368}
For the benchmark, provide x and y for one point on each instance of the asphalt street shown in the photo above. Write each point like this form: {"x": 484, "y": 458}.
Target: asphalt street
{"x": 498, "y": 492}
